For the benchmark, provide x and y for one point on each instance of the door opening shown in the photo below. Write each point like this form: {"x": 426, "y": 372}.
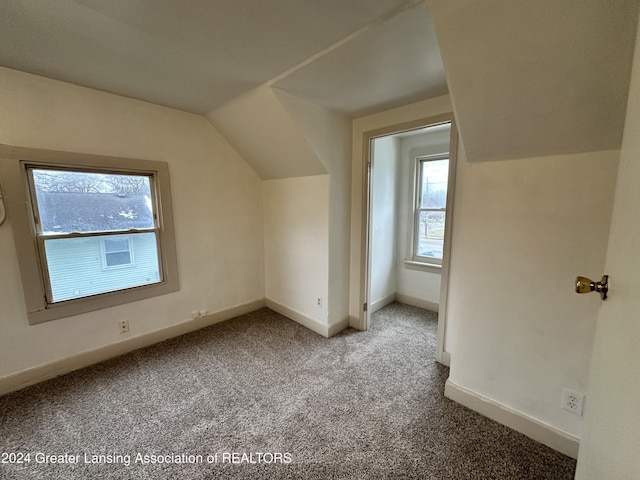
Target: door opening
{"x": 409, "y": 191}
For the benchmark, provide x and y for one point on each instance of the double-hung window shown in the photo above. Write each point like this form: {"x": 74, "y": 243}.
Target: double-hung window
{"x": 432, "y": 174}
{"x": 81, "y": 215}
{"x": 97, "y": 232}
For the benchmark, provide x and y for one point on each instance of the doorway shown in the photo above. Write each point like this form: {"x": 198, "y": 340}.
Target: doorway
{"x": 409, "y": 185}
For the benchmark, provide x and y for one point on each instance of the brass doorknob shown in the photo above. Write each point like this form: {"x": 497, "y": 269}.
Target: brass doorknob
{"x": 585, "y": 285}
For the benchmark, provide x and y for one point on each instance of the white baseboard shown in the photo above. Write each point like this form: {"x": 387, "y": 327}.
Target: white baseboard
{"x": 324, "y": 329}
{"x": 544, "y": 433}
{"x": 354, "y": 322}
{"x": 417, "y": 302}
{"x": 47, "y": 371}
{"x": 336, "y": 327}
{"x": 377, "y": 305}
{"x": 445, "y": 359}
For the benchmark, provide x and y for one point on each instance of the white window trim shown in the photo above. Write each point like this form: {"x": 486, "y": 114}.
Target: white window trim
{"x": 418, "y": 262}
{"x": 103, "y": 249}
{"x": 424, "y": 266}
{"x": 13, "y": 162}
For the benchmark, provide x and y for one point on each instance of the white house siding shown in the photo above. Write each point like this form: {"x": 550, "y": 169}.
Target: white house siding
{"x": 76, "y": 266}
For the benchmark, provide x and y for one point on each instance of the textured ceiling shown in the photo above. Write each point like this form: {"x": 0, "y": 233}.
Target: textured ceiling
{"x": 198, "y": 55}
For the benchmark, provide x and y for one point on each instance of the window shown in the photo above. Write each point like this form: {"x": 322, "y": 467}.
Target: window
{"x": 98, "y": 232}
{"x": 432, "y": 173}
{"x": 116, "y": 252}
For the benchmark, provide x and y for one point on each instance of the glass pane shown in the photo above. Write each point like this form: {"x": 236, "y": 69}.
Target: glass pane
{"x": 116, "y": 244}
{"x": 434, "y": 183}
{"x": 77, "y": 267}
{"x": 431, "y": 234}
{"x": 71, "y": 201}
{"x": 117, "y": 259}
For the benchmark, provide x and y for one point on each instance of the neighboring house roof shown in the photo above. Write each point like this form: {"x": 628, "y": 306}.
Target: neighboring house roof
{"x": 65, "y": 212}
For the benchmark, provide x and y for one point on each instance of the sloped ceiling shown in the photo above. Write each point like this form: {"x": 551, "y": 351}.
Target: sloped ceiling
{"x": 394, "y": 63}
{"x": 531, "y": 79}
{"x": 527, "y": 78}
{"x": 262, "y": 131}
{"x": 200, "y": 54}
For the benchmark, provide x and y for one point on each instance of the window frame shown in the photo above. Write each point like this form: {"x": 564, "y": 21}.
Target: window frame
{"x": 18, "y": 195}
{"x": 421, "y": 260}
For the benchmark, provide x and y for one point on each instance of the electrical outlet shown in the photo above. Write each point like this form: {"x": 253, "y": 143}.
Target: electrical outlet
{"x": 124, "y": 326}
{"x": 572, "y": 401}
{"x": 195, "y": 314}
{"x": 202, "y": 313}
{"x": 319, "y": 302}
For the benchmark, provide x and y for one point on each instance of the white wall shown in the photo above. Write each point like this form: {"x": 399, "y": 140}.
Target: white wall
{"x": 296, "y": 246}
{"x": 285, "y": 137}
{"x": 384, "y": 213}
{"x": 610, "y": 446}
{"x": 217, "y": 201}
{"x": 328, "y": 133}
{"x": 523, "y": 230}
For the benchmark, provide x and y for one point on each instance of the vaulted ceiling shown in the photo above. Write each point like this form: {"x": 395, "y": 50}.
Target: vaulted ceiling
{"x": 356, "y": 55}
{"x": 526, "y": 78}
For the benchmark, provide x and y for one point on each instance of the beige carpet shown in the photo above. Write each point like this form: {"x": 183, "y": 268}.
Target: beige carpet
{"x": 260, "y": 396}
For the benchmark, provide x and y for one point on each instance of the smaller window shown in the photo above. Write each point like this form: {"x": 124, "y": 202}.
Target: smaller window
{"x": 117, "y": 252}
{"x": 432, "y": 176}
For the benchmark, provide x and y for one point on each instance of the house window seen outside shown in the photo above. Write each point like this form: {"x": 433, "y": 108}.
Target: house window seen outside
{"x": 430, "y": 209}
{"x": 117, "y": 251}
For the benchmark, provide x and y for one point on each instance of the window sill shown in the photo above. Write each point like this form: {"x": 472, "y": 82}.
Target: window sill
{"x": 424, "y": 266}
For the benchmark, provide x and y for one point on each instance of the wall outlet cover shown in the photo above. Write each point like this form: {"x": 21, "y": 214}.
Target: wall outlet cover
{"x": 572, "y": 401}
